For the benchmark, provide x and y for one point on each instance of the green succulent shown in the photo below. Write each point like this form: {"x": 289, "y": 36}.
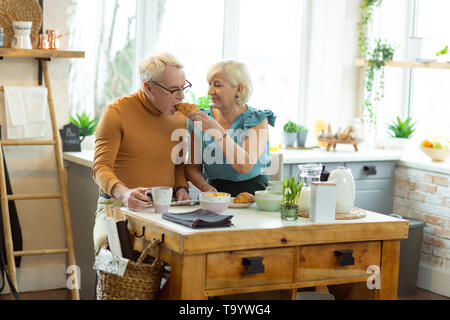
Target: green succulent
{"x": 86, "y": 124}
{"x": 290, "y": 127}
{"x": 302, "y": 128}
{"x": 402, "y": 129}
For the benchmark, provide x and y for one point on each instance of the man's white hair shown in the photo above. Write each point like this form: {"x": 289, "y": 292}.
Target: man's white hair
{"x": 151, "y": 68}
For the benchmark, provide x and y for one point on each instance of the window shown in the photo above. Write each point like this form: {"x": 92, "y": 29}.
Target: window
{"x": 270, "y": 45}
{"x": 419, "y": 93}
{"x": 192, "y": 31}
{"x": 105, "y": 30}
{"x": 430, "y": 97}
{"x": 199, "y": 33}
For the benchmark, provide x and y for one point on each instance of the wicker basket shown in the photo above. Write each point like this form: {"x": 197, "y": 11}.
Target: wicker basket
{"x": 141, "y": 280}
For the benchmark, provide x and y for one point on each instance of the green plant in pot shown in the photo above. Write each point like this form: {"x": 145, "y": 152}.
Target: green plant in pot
{"x": 290, "y": 130}
{"x": 291, "y": 191}
{"x": 85, "y": 123}
{"x": 202, "y": 102}
{"x": 301, "y": 135}
{"x": 400, "y": 131}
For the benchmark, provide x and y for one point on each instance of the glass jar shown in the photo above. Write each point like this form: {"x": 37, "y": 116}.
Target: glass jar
{"x": 307, "y": 174}
{"x": 2, "y": 38}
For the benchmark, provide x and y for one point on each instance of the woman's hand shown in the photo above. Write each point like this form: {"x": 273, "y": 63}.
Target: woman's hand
{"x": 206, "y": 122}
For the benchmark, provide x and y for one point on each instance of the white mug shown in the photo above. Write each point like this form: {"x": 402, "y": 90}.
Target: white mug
{"x": 162, "y": 197}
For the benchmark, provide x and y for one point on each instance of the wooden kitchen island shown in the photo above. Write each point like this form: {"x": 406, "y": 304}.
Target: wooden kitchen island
{"x": 262, "y": 253}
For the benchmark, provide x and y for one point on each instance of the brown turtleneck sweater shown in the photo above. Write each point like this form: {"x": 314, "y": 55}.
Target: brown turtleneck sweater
{"x": 133, "y": 146}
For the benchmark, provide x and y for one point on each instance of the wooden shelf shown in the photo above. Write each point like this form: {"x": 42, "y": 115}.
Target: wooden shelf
{"x": 409, "y": 64}
{"x": 39, "y": 53}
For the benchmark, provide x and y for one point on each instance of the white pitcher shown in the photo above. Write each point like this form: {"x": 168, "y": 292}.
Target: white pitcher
{"x": 345, "y": 189}
{"x": 22, "y": 31}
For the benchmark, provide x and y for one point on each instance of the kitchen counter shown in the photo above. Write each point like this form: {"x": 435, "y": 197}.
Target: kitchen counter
{"x": 343, "y": 153}
{"x": 409, "y": 158}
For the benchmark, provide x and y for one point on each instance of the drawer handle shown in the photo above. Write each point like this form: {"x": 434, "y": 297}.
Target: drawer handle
{"x": 345, "y": 257}
{"x": 370, "y": 170}
{"x": 253, "y": 264}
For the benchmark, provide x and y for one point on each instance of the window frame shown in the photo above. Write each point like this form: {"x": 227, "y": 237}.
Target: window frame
{"x": 147, "y": 21}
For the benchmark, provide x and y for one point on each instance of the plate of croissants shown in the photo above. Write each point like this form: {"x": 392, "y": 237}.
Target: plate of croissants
{"x": 242, "y": 200}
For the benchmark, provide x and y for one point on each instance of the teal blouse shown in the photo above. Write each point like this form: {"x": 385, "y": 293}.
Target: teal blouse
{"x": 215, "y": 165}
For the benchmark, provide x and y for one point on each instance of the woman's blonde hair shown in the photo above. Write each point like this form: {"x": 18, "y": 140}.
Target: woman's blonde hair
{"x": 237, "y": 74}
{"x": 151, "y": 68}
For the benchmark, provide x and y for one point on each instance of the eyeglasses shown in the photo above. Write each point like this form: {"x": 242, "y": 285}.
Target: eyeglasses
{"x": 174, "y": 91}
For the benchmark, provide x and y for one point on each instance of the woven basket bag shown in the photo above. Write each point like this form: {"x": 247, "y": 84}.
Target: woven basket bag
{"x": 141, "y": 281}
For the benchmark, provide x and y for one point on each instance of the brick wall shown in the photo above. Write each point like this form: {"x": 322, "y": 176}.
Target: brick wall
{"x": 425, "y": 195}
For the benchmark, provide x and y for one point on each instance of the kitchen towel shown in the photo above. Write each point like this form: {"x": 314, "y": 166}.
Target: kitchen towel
{"x": 26, "y": 111}
{"x": 199, "y": 219}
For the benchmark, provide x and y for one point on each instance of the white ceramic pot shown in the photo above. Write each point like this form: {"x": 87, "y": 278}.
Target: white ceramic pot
{"x": 392, "y": 143}
{"x": 345, "y": 189}
{"x": 22, "y": 30}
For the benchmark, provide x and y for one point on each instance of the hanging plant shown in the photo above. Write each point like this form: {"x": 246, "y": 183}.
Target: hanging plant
{"x": 374, "y": 79}
{"x": 376, "y": 59}
{"x": 367, "y": 8}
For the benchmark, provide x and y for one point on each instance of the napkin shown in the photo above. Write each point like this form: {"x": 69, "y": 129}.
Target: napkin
{"x": 199, "y": 219}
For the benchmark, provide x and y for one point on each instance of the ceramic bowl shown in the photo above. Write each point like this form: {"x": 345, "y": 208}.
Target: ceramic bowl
{"x": 436, "y": 154}
{"x": 214, "y": 201}
{"x": 268, "y": 200}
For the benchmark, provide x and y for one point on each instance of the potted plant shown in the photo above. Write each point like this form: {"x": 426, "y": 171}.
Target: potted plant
{"x": 400, "y": 132}
{"x": 290, "y": 130}
{"x": 301, "y": 135}
{"x": 87, "y": 127}
{"x": 202, "y": 102}
{"x": 291, "y": 191}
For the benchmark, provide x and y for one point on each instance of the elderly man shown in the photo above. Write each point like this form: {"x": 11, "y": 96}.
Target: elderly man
{"x": 133, "y": 141}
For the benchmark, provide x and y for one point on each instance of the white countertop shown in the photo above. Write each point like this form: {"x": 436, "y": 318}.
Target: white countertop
{"x": 412, "y": 158}
{"x": 246, "y": 219}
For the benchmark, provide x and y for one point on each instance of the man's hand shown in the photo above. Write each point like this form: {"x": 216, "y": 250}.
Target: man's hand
{"x": 134, "y": 199}
{"x": 182, "y": 194}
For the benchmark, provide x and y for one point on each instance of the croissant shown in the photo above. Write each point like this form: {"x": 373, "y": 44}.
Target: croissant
{"x": 244, "y": 197}
{"x": 185, "y": 108}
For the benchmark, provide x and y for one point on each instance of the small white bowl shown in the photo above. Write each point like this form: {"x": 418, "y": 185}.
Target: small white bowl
{"x": 436, "y": 154}
{"x": 214, "y": 201}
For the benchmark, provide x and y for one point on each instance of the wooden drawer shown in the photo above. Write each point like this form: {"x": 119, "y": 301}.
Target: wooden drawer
{"x": 322, "y": 262}
{"x": 227, "y": 269}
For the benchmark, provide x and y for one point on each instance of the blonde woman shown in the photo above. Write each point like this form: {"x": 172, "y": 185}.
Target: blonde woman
{"x": 229, "y": 141}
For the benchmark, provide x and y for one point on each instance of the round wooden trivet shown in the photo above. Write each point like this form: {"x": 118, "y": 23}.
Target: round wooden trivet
{"x": 355, "y": 213}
